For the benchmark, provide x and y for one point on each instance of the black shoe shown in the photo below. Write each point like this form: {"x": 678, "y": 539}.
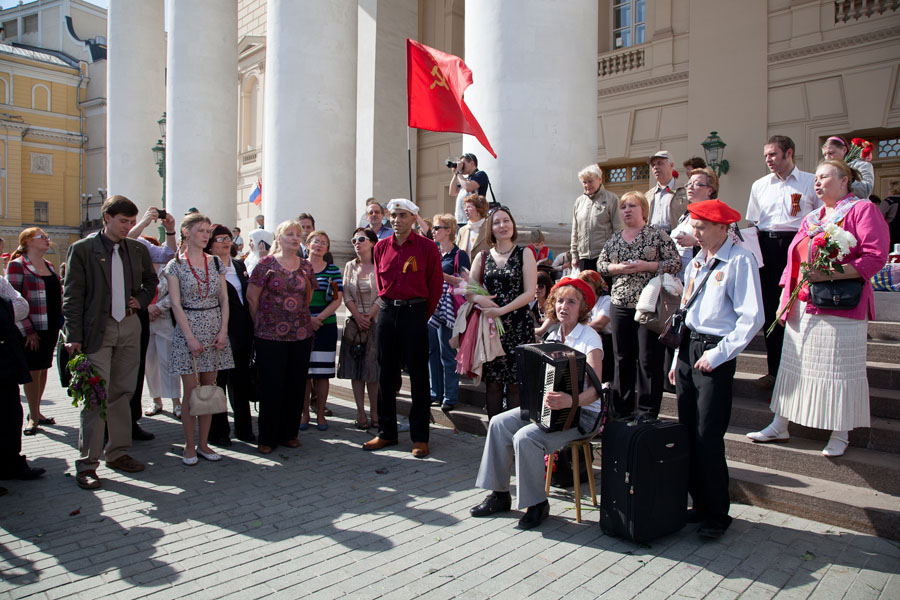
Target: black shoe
{"x": 436, "y": 403}
{"x": 21, "y": 470}
{"x": 141, "y": 435}
{"x": 495, "y": 502}
{"x": 713, "y": 529}
{"x": 222, "y": 442}
{"x": 3, "y": 491}
{"x": 248, "y": 437}
{"x": 535, "y": 515}
{"x": 447, "y": 407}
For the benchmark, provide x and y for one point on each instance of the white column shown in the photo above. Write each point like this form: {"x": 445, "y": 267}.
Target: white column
{"x": 309, "y": 141}
{"x": 201, "y": 109}
{"x": 381, "y": 132}
{"x": 535, "y": 94}
{"x": 136, "y": 98}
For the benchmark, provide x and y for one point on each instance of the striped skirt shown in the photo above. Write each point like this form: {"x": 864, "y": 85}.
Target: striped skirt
{"x": 822, "y": 379}
{"x": 321, "y": 361}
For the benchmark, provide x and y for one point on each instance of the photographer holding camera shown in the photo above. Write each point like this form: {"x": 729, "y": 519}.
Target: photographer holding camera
{"x": 467, "y": 180}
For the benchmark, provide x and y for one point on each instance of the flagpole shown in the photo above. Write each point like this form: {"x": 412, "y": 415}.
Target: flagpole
{"x": 409, "y": 165}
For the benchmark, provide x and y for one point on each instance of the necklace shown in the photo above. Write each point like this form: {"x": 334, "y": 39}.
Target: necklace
{"x": 197, "y": 277}
{"x": 503, "y": 253}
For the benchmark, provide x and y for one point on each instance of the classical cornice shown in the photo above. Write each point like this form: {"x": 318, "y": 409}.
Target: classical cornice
{"x": 643, "y": 83}
{"x": 857, "y": 40}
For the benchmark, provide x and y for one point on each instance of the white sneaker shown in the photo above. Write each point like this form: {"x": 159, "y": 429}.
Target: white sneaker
{"x": 836, "y": 447}
{"x": 769, "y": 434}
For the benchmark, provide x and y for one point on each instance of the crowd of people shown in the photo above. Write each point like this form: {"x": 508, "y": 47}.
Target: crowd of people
{"x": 196, "y": 307}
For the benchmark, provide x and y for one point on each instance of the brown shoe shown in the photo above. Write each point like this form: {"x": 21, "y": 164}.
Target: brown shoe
{"x": 125, "y": 463}
{"x": 766, "y": 382}
{"x": 87, "y": 480}
{"x": 420, "y": 449}
{"x": 264, "y": 449}
{"x": 295, "y": 443}
{"x": 378, "y": 443}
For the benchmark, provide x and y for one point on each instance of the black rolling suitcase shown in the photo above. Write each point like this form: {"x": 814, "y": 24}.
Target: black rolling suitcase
{"x": 643, "y": 479}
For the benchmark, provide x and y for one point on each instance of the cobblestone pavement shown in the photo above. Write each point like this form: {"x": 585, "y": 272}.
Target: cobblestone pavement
{"x": 328, "y": 520}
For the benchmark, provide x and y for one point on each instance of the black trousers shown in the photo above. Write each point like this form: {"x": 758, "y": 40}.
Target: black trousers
{"x": 136, "y": 409}
{"x": 283, "y": 367}
{"x": 10, "y": 423}
{"x": 588, "y": 264}
{"x": 704, "y": 407}
{"x": 638, "y": 355}
{"x": 402, "y": 338}
{"x": 774, "y": 252}
{"x": 240, "y": 393}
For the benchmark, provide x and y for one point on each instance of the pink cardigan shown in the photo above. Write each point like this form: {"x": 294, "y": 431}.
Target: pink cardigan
{"x": 869, "y": 228}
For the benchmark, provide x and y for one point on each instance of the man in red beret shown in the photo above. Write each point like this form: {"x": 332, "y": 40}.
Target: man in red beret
{"x": 723, "y": 312}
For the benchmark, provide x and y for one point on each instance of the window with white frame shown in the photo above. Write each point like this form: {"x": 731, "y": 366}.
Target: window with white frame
{"x": 41, "y": 212}
{"x": 628, "y": 22}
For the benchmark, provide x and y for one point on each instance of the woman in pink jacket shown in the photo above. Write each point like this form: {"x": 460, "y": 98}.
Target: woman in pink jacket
{"x": 822, "y": 379}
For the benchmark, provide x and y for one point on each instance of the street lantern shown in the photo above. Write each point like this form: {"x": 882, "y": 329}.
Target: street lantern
{"x": 162, "y": 126}
{"x": 714, "y": 149}
{"x": 159, "y": 156}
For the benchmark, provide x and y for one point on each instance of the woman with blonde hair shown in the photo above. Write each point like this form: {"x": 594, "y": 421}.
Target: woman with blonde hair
{"x": 278, "y": 296}
{"x": 35, "y": 279}
{"x": 199, "y": 302}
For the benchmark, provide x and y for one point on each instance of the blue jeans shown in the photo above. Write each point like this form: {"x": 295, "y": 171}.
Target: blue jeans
{"x": 442, "y": 366}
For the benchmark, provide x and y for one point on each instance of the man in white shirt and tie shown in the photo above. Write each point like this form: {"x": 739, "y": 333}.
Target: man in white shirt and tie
{"x": 666, "y": 198}
{"x": 723, "y": 317}
{"x": 778, "y": 203}
{"x": 108, "y": 279}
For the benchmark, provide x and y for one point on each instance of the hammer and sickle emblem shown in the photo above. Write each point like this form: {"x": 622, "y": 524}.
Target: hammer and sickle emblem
{"x": 439, "y": 79}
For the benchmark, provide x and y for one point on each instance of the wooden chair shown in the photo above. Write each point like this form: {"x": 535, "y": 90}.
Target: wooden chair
{"x": 585, "y": 447}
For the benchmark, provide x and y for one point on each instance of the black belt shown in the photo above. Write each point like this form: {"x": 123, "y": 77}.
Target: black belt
{"x": 779, "y": 235}
{"x": 706, "y": 338}
{"x": 207, "y": 308}
{"x": 399, "y": 303}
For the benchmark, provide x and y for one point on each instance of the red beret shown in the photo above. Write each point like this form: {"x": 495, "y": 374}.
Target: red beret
{"x": 590, "y": 298}
{"x": 714, "y": 211}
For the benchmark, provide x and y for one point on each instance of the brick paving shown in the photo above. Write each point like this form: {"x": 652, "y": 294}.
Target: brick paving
{"x": 328, "y": 520}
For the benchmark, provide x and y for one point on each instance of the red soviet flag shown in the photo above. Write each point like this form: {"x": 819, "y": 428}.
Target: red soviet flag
{"x": 435, "y": 82}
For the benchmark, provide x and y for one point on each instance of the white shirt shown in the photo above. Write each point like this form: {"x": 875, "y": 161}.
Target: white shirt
{"x": 770, "y": 201}
{"x": 730, "y": 303}
{"x": 663, "y": 198}
{"x": 585, "y": 340}
{"x": 20, "y": 304}
{"x": 474, "y": 228}
{"x": 601, "y": 309}
{"x": 232, "y": 278}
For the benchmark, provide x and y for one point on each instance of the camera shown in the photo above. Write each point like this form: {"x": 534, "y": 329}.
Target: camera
{"x": 450, "y": 164}
{"x": 358, "y": 350}
{"x": 161, "y": 213}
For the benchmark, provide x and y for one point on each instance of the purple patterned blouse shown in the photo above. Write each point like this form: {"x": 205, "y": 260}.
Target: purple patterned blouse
{"x": 283, "y": 313}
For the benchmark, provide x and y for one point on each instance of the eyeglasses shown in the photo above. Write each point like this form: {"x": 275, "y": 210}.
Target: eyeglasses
{"x": 222, "y": 238}
{"x": 439, "y": 227}
{"x": 42, "y": 236}
{"x": 359, "y": 239}
{"x": 695, "y": 184}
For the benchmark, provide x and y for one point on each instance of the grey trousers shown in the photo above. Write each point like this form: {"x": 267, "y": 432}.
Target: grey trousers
{"x": 116, "y": 362}
{"x": 510, "y": 438}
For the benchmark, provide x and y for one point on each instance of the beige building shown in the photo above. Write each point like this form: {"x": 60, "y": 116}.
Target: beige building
{"x": 52, "y": 119}
{"x": 668, "y": 72}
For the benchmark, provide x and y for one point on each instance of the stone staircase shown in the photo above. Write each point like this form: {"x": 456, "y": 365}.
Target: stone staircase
{"x": 859, "y": 491}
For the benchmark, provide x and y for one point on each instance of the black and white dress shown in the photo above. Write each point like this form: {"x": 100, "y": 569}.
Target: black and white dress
{"x": 508, "y": 283}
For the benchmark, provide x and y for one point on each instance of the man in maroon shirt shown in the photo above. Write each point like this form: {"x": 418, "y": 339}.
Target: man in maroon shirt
{"x": 410, "y": 280}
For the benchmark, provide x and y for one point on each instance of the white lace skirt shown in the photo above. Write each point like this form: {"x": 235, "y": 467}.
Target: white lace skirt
{"x": 822, "y": 379}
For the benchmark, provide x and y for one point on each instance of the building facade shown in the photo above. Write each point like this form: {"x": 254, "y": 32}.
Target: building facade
{"x": 53, "y": 122}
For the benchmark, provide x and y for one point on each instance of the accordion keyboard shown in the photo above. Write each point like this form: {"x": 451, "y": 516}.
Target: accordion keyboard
{"x": 549, "y": 382}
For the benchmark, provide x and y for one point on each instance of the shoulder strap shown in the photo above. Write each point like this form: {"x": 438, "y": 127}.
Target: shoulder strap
{"x": 573, "y": 380}
{"x": 699, "y": 287}
{"x": 456, "y": 262}
{"x": 483, "y": 261}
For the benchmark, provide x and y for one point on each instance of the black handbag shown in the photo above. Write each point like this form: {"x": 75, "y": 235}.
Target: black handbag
{"x": 835, "y": 294}
{"x": 673, "y": 332}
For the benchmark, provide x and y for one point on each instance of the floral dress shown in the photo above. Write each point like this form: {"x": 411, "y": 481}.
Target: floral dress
{"x": 200, "y": 301}
{"x": 508, "y": 283}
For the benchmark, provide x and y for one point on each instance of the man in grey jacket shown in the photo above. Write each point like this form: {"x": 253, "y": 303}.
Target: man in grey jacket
{"x": 108, "y": 279}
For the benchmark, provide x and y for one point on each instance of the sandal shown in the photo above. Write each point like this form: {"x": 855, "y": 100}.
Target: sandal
{"x": 363, "y": 425}
{"x": 33, "y": 430}
{"x": 42, "y": 420}
{"x": 177, "y": 412}
{"x": 153, "y": 411}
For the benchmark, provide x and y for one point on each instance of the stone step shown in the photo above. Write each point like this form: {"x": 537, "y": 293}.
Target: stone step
{"x": 842, "y": 494}
{"x": 839, "y": 504}
{"x": 870, "y": 469}
{"x": 880, "y": 374}
{"x": 753, "y": 414}
{"x": 884, "y": 330}
{"x": 886, "y": 351}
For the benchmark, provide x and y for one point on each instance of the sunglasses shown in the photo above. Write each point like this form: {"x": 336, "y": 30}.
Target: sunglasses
{"x": 222, "y": 238}
{"x": 503, "y": 208}
{"x": 359, "y": 239}
{"x": 439, "y": 227}
{"x": 42, "y": 236}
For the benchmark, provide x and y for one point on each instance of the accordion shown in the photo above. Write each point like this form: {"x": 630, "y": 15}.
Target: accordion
{"x": 545, "y": 368}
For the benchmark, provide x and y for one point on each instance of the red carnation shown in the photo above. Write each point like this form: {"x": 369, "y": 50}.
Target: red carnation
{"x": 94, "y": 380}
{"x": 819, "y": 242}
{"x": 857, "y": 141}
{"x": 866, "y": 153}
{"x": 833, "y": 254}
{"x": 674, "y": 174}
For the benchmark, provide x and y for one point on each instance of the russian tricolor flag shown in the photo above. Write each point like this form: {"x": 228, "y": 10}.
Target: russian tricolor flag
{"x": 256, "y": 195}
